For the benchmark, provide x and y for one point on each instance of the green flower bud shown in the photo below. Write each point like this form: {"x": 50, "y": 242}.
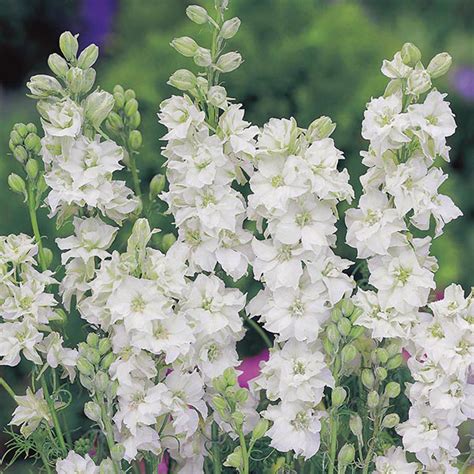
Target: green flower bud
{"x": 15, "y": 138}
{"x": 346, "y": 455}
{"x": 336, "y": 314}
{"x": 131, "y": 106}
{"x": 112, "y": 389}
{"x": 118, "y": 89}
{"x": 135, "y": 120}
{"x": 17, "y": 184}
{"x": 229, "y": 28}
{"x": 234, "y": 459}
{"x": 338, "y": 396}
{"x": 88, "y": 80}
{"x": 367, "y": 378}
{"x": 217, "y": 96}
{"x": 33, "y": 142}
{"x": 185, "y": 46}
{"x": 393, "y": 86}
{"x": 92, "y": 339}
{"x": 347, "y": 307}
{"x": 104, "y": 346}
{"x": 157, "y": 185}
{"x": 32, "y": 168}
{"x": 20, "y": 154}
{"x": 238, "y": 418}
{"x": 101, "y": 381}
{"x": 373, "y": 399}
{"x": 129, "y": 95}
{"x": 348, "y": 353}
{"x": 418, "y": 82}
{"x": 393, "y": 348}
{"x": 135, "y": 140}
{"x": 355, "y": 424}
{"x": 229, "y": 62}
{"x": 328, "y": 347}
{"x": 241, "y": 395}
{"x": 355, "y": 314}
{"x": 391, "y": 420}
{"x": 59, "y": 314}
{"x": 344, "y": 327}
{"x": 68, "y": 45}
{"x": 381, "y": 373}
{"x": 86, "y": 381}
{"x": 114, "y": 122}
{"x": 119, "y": 100}
{"x": 439, "y": 65}
{"x": 381, "y": 355}
{"x": 85, "y": 367}
{"x": 202, "y": 57}
{"x": 117, "y": 452}
{"x": 333, "y": 334}
{"x": 97, "y": 107}
{"x": 260, "y": 429}
{"x": 220, "y": 405}
{"x": 410, "y": 54}
{"x": 230, "y": 377}
{"x": 88, "y": 57}
{"x": 183, "y": 80}
{"x": 356, "y": 331}
{"x": 75, "y": 79}
{"x": 320, "y": 128}
{"x": 21, "y": 129}
{"x": 41, "y": 185}
{"x": 197, "y": 14}
{"x": 392, "y": 390}
{"x": 107, "y": 361}
{"x": 42, "y": 86}
{"x": 31, "y": 127}
{"x": 93, "y": 355}
{"x": 167, "y": 241}
{"x": 395, "y": 362}
{"x": 58, "y": 65}
{"x": 92, "y": 411}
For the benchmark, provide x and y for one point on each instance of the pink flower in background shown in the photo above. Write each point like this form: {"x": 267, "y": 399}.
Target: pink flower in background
{"x": 250, "y": 367}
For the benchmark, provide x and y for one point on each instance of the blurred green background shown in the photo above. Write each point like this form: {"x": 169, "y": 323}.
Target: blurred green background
{"x": 303, "y": 58}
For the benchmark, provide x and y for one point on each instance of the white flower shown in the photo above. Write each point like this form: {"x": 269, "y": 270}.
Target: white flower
{"x": 296, "y": 427}
{"x": 395, "y": 69}
{"x": 57, "y": 355}
{"x": 73, "y": 463}
{"x": 17, "y": 249}
{"x": 32, "y": 409}
{"x": 145, "y": 439}
{"x": 374, "y": 226}
{"x": 62, "y": 118}
{"x": 19, "y": 337}
{"x": 279, "y": 136}
{"x": 394, "y": 462}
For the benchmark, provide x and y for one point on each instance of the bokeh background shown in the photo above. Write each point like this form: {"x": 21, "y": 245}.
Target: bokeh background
{"x": 303, "y": 58}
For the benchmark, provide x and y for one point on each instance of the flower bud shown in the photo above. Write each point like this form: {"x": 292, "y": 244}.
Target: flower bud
{"x": 391, "y": 420}
{"x": 393, "y": 87}
{"x": 367, "y": 378}
{"x": 346, "y": 455}
{"x": 439, "y": 65}
{"x": 392, "y": 390}
{"x": 381, "y": 373}
{"x": 197, "y": 14}
{"x": 220, "y": 405}
{"x": 355, "y": 424}
{"x": 229, "y": 28}
{"x": 43, "y": 86}
{"x": 230, "y": 376}
{"x": 410, "y": 54}
{"x": 58, "y": 65}
{"x": 101, "y": 381}
{"x": 17, "y": 184}
{"x": 217, "y": 96}
{"x": 74, "y": 78}
{"x": 86, "y": 381}
{"x": 92, "y": 354}
{"x": 381, "y": 355}
{"x": 88, "y": 80}
{"x": 333, "y": 334}
{"x": 338, "y": 396}
{"x": 131, "y": 106}
{"x": 157, "y": 184}
{"x": 135, "y": 120}
{"x": 119, "y": 100}
{"x": 92, "y": 411}
{"x": 107, "y": 467}
{"x": 355, "y": 314}
{"x": 238, "y": 418}
{"x": 22, "y": 129}
{"x": 15, "y": 138}
{"x": 104, "y": 346}
{"x": 185, "y": 46}
{"x": 88, "y": 57}
{"x": 68, "y": 45}
{"x": 260, "y": 429}
{"x": 234, "y": 459}
{"x": 183, "y": 80}
{"x": 336, "y": 314}
{"x": 32, "y": 168}
{"x": 33, "y": 142}
{"x": 202, "y": 57}
{"x": 320, "y": 128}
{"x": 135, "y": 140}
{"x": 373, "y": 399}
{"x": 92, "y": 339}
{"x": 356, "y": 331}
{"x": 20, "y": 154}
{"x": 344, "y": 327}
{"x": 229, "y": 62}
{"x": 328, "y": 347}
{"x": 347, "y": 307}
{"x": 348, "y": 353}
{"x": 114, "y": 122}
{"x": 394, "y": 362}
{"x": 167, "y": 241}
{"x": 97, "y": 107}
{"x": 60, "y": 316}
{"x": 393, "y": 348}
{"x": 84, "y": 366}
{"x": 117, "y": 452}
{"x": 418, "y": 82}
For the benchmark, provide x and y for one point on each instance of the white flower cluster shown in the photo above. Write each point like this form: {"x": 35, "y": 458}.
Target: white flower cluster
{"x": 441, "y": 397}
{"x": 296, "y": 187}
{"x": 170, "y": 337}
{"x": 201, "y": 167}
{"x": 27, "y": 308}
{"x": 400, "y": 192}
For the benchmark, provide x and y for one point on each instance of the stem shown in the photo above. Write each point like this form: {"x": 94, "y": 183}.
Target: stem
{"x": 7, "y": 387}
{"x": 370, "y": 451}
{"x": 245, "y": 454}
{"x": 43, "y": 459}
{"x": 133, "y": 169}
{"x": 259, "y": 330}
{"x": 54, "y": 416}
{"x": 108, "y": 431}
{"x": 333, "y": 427}
{"x": 35, "y": 227}
{"x": 216, "y": 455}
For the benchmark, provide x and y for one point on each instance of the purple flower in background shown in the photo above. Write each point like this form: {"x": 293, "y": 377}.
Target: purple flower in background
{"x": 463, "y": 82}
{"x": 96, "y": 21}
{"x": 250, "y": 367}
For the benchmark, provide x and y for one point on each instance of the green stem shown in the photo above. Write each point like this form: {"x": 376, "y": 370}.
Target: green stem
{"x": 7, "y": 387}
{"x": 245, "y": 454}
{"x": 333, "y": 427}
{"x": 133, "y": 169}
{"x": 54, "y": 415}
{"x": 216, "y": 455}
{"x": 370, "y": 451}
{"x": 43, "y": 459}
{"x": 35, "y": 227}
{"x": 108, "y": 431}
{"x": 259, "y": 330}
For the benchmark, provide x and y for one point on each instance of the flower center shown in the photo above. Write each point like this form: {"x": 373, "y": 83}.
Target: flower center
{"x": 301, "y": 421}
{"x": 138, "y": 304}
